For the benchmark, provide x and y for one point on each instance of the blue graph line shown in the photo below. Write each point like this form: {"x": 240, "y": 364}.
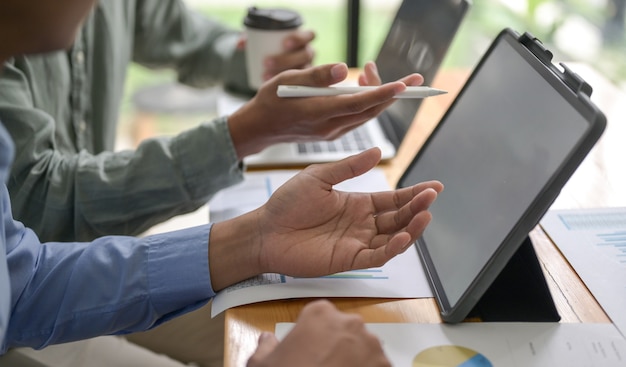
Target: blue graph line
{"x": 616, "y": 240}
{"x": 575, "y": 222}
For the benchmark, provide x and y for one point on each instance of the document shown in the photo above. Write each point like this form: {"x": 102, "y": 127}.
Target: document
{"x": 594, "y": 243}
{"x": 402, "y": 277}
{"x": 498, "y": 344}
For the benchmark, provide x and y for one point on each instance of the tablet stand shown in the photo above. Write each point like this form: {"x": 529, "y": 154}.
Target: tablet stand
{"x": 519, "y": 293}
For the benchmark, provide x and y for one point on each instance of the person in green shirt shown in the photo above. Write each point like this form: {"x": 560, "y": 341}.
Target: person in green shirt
{"x": 61, "y": 109}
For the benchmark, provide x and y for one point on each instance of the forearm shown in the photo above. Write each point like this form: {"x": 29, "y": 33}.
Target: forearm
{"x": 82, "y": 196}
{"x": 112, "y": 285}
{"x": 202, "y": 50}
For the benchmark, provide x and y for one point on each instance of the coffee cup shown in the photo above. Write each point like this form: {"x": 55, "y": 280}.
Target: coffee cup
{"x": 266, "y": 30}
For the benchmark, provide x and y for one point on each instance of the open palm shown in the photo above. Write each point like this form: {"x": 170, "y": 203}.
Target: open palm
{"x": 309, "y": 229}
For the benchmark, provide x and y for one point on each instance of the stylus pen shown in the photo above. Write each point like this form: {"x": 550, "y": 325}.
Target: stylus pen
{"x": 304, "y": 91}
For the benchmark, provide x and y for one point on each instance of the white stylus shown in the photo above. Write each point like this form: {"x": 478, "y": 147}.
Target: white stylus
{"x": 304, "y": 91}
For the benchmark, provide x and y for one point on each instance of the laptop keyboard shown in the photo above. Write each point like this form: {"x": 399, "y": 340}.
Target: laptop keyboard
{"x": 356, "y": 140}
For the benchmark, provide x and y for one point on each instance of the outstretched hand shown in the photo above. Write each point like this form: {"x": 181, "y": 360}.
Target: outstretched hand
{"x": 268, "y": 119}
{"x": 310, "y": 229}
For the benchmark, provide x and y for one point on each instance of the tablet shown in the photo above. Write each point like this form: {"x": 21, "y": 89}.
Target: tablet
{"x": 516, "y": 132}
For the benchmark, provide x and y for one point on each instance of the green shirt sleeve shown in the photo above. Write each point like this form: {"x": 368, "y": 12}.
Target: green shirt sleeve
{"x": 65, "y": 195}
{"x": 202, "y": 50}
{"x": 62, "y": 109}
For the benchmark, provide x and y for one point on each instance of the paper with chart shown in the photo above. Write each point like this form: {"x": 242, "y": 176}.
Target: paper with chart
{"x": 497, "y": 344}
{"x": 402, "y": 277}
{"x": 594, "y": 242}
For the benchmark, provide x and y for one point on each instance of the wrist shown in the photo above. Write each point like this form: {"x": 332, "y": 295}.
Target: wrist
{"x": 234, "y": 250}
{"x": 248, "y": 132}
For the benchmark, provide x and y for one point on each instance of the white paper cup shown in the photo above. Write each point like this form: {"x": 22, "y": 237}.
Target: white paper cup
{"x": 266, "y": 30}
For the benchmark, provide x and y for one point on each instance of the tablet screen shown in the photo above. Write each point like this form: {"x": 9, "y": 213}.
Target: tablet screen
{"x": 498, "y": 146}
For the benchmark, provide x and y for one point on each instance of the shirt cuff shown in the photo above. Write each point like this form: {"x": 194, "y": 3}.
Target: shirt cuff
{"x": 207, "y": 158}
{"x": 178, "y": 270}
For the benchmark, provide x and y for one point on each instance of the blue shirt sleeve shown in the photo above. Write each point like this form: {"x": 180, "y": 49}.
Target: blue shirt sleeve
{"x": 59, "y": 292}
{"x": 62, "y": 292}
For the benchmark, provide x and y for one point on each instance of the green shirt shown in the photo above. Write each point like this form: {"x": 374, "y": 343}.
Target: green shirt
{"x": 62, "y": 108}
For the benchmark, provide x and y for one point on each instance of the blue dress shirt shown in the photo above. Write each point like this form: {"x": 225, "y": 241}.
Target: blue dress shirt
{"x": 59, "y": 292}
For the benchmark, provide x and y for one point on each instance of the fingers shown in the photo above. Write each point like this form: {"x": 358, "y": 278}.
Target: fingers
{"x": 413, "y": 80}
{"x": 364, "y": 104}
{"x": 347, "y": 168}
{"x": 393, "y": 221}
{"x": 317, "y": 308}
{"x": 298, "y": 40}
{"x": 395, "y": 245}
{"x": 297, "y": 54}
{"x": 355, "y": 107}
{"x": 299, "y": 59}
{"x": 370, "y": 75}
{"x": 318, "y": 76}
{"x": 394, "y": 200}
{"x": 266, "y": 345}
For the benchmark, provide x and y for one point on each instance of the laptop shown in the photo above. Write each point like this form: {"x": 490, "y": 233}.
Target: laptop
{"x": 504, "y": 149}
{"x": 417, "y": 42}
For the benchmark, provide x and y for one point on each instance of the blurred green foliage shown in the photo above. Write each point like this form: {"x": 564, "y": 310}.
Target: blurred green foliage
{"x": 483, "y": 22}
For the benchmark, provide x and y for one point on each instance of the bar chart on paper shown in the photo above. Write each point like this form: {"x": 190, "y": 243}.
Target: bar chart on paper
{"x": 613, "y": 245}
{"x": 594, "y": 242}
{"x": 601, "y": 226}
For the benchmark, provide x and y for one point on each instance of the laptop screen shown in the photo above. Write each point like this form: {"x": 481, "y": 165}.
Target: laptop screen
{"x": 417, "y": 42}
{"x": 500, "y": 145}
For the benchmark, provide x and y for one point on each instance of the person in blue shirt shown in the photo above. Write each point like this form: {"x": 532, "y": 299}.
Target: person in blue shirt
{"x": 54, "y": 293}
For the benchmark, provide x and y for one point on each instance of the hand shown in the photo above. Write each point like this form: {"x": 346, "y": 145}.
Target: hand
{"x": 297, "y": 54}
{"x": 268, "y": 119}
{"x": 322, "y": 337}
{"x": 308, "y": 229}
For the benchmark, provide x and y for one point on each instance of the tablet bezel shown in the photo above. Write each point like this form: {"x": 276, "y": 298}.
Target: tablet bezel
{"x": 540, "y": 204}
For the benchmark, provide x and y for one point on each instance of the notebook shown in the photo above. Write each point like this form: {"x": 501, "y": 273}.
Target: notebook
{"x": 504, "y": 149}
{"x": 417, "y": 41}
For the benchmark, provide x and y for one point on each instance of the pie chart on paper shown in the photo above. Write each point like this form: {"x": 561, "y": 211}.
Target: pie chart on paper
{"x": 450, "y": 356}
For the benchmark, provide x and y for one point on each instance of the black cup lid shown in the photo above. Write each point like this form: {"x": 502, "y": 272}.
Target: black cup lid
{"x": 272, "y": 19}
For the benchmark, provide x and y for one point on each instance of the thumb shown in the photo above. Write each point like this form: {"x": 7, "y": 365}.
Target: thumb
{"x": 347, "y": 168}
{"x": 318, "y": 76}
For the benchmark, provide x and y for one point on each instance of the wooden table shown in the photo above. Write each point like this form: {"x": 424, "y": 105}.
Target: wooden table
{"x": 600, "y": 181}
